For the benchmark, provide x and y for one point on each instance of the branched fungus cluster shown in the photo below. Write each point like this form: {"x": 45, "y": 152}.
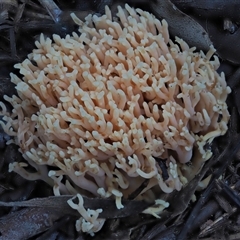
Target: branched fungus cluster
{"x": 104, "y": 105}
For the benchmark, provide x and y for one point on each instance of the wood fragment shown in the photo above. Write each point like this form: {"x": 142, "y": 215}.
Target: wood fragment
{"x": 216, "y": 224}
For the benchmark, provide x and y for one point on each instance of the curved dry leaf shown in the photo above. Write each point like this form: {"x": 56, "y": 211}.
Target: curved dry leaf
{"x": 181, "y": 25}
{"x": 108, "y": 206}
{"x": 211, "y": 9}
{"x": 27, "y": 222}
{"x": 227, "y": 44}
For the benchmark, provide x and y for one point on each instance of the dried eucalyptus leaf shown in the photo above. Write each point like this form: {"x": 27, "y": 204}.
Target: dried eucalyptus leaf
{"x": 181, "y": 25}
{"x": 227, "y": 44}
{"x": 27, "y": 222}
{"x": 108, "y": 205}
{"x": 211, "y": 9}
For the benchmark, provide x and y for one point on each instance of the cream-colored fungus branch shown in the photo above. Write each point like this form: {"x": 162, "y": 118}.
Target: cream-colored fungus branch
{"x": 102, "y": 104}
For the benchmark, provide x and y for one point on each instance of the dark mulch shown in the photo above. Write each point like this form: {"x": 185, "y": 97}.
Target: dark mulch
{"x": 27, "y": 210}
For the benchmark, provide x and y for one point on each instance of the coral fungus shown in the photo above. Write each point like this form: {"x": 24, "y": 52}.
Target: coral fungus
{"x": 102, "y": 105}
